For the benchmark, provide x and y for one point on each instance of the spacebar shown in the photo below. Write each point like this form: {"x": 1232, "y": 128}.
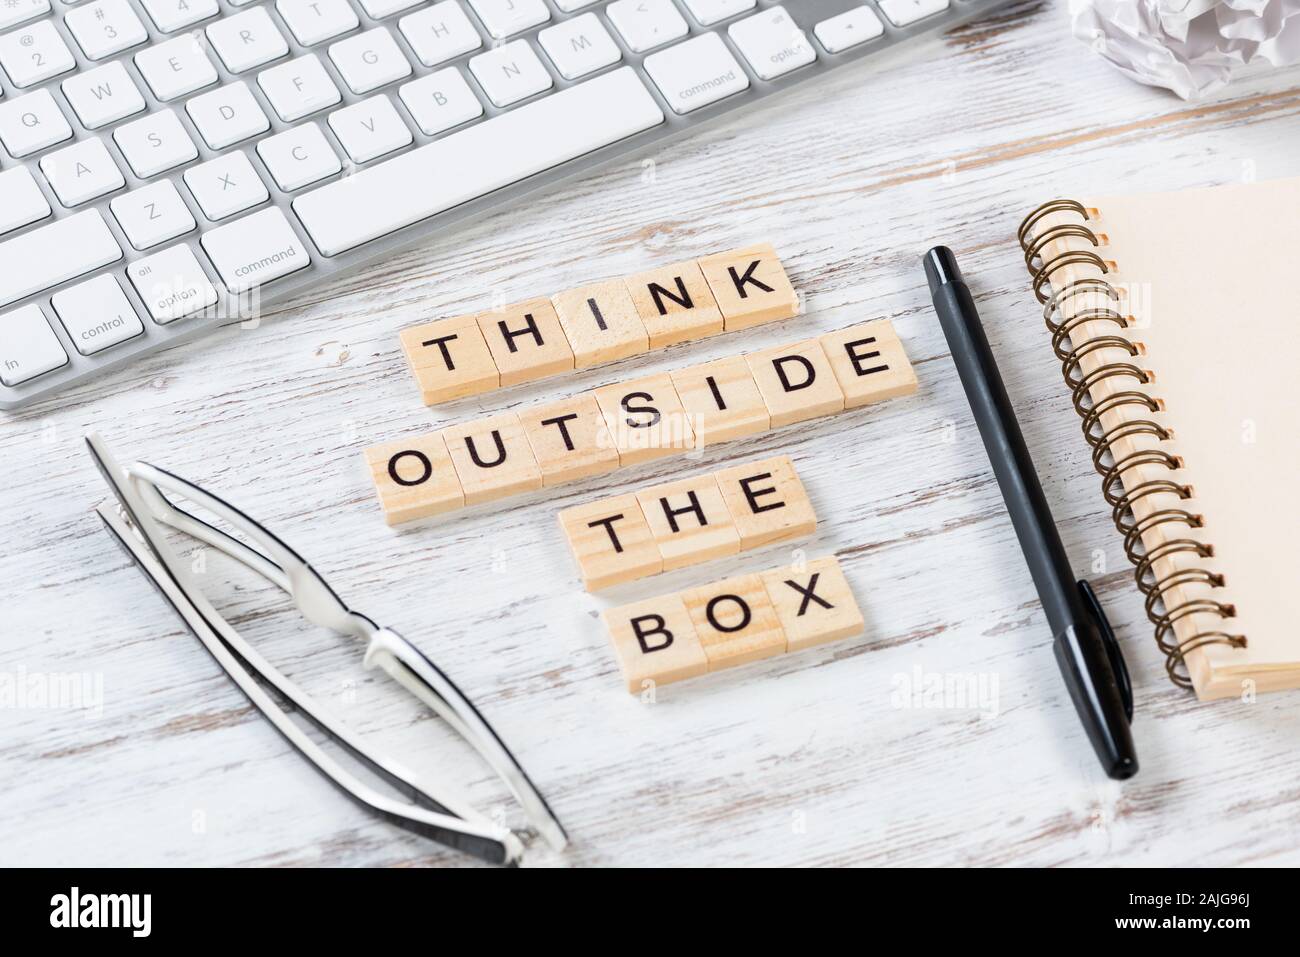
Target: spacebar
{"x": 485, "y": 157}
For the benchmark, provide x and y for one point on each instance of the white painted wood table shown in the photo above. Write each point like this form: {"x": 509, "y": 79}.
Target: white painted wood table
{"x": 806, "y": 759}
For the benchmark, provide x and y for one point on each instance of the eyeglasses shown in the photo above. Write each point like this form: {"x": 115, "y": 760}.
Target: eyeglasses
{"x": 142, "y": 507}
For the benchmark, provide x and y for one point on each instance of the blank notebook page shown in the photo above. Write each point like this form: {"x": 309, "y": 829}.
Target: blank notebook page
{"x": 1215, "y": 274}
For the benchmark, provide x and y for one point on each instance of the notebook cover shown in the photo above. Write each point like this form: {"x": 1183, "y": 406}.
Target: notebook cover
{"x": 1210, "y": 277}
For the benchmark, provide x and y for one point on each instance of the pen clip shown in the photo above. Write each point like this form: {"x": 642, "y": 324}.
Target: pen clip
{"x": 1111, "y": 643}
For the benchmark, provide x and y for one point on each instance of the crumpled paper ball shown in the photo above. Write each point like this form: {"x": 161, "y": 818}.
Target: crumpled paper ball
{"x": 1189, "y": 46}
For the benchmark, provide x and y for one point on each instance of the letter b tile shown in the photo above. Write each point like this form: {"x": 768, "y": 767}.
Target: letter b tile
{"x": 656, "y": 642}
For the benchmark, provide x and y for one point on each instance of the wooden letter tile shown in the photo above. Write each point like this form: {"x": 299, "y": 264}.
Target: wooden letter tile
{"x": 750, "y": 286}
{"x": 655, "y": 642}
{"x": 569, "y": 439}
{"x": 675, "y": 304}
{"x": 722, "y": 400}
{"x": 767, "y": 502}
{"x": 601, "y": 323}
{"x": 527, "y": 341}
{"x": 690, "y": 521}
{"x": 797, "y": 382}
{"x": 414, "y": 478}
{"x": 492, "y": 458}
{"x": 869, "y": 363}
{"x": 611, "y": 542}
{"x": 814, "y": 603}
{"x": 449, "y": 359}
{"x": 645, "y": 419}
{"x": 735, "y": 621}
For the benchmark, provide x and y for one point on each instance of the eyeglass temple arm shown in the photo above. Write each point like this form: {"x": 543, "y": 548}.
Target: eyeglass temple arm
{"x": 411, "y": 668}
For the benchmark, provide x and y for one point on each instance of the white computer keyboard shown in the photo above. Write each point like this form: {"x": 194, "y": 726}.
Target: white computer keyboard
{"x": 170, "y": 165}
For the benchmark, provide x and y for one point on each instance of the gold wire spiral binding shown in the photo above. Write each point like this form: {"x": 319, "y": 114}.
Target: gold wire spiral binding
{"x": 1102, "y": 440}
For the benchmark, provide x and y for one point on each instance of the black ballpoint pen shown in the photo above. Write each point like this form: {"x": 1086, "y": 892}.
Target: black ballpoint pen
{"x": 1086, "y": 649}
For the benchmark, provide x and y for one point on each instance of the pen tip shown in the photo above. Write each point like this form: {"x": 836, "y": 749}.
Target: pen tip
{"x": 1124, "y": 768}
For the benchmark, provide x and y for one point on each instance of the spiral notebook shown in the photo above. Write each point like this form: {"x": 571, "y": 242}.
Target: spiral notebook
{"x": 1176, "y": 319}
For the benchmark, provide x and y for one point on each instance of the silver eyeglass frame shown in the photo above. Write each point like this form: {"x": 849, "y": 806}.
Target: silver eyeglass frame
{"x": 142, "y": 507}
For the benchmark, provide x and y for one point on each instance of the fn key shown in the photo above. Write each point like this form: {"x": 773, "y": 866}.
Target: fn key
{"x": 255, "y": 250}
{"x": 28, "y": 346}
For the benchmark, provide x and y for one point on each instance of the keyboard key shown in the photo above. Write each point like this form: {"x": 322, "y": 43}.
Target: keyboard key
{"x": 370, "y": 60}
{"x": 171, "y": 284}
{"x": 440, "y": 32}
{"x": 298, "y": 88}
{"x": 510, "y": 73}
{"x": 103, "y": 95}
{"x": 82, "y": 172}
{"x": 569, "y": 6}
{"x": 848, "y": 29}
{"x": 255, "y": 250}
{"x": 505, "y": 18}
{"x": 247, "y": 40}
{"x": 579, "y": 46}
{"x": 299, "y": 157}
{"x": 227, "y": 115}
{"x": 709, "y": 12}
{"x": 34, "y": 54}
{"x": 96, "y": 315}
{"x": 646, "y": 24}
{"x": 440, "y": 101}
{"x": 152, "y": 214}
{"x": 696, "y": 73}
{"x": 487, "y": 156}
{"x": 28, "y": 346}
{"x": 315, "y": 21}
{"x": 176, "y": 67}
{"x": 378, "y": 9}
{"x": 154, "y": 144}
{"x": 21, "y": 200}
{"x": 172, "y": 15}
{"x": 31, "y": 123}
{"x": 772, "y": 43}
{"x": 54, "y": 253}
{"x": 226, "y": 185}
{"x": 21, "y": 11}
{"x": 370, "y": 129}
{"x": 105, "y": 27}
{"x": 902, "y": 13}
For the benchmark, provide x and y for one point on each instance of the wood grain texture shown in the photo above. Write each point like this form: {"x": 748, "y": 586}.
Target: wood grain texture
{"x": 820, "y": 757}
